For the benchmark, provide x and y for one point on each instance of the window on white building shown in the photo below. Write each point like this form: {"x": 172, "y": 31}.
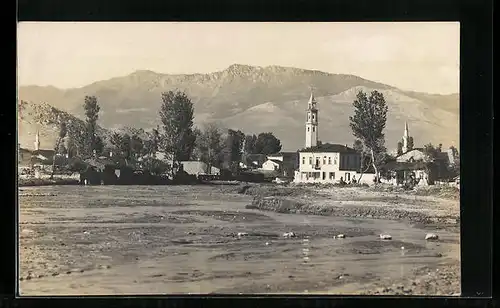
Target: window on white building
{"x": 329, "y": 160}
{"x": 314, "y": 129}
{"x": 303, "y": 160}
{"x": 307, "y": 128}
{"x": 324, "y": 160}
{"x": 310, "y": 160}
{"x": 332, "y": 175}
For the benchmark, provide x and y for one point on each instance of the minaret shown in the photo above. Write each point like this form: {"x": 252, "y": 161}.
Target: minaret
{"x": 405, "y": 138}
{"x": 311, "y": 122}
{"x": 37, "y": 141}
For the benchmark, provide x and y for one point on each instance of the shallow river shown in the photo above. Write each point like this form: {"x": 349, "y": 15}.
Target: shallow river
{"x": 183, "y": 239}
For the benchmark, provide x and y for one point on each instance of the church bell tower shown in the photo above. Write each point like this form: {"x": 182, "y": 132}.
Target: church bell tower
{"x": 311, "y": 122}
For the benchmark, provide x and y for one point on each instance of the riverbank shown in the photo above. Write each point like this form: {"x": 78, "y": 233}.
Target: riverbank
{"x": 433, "y": 206}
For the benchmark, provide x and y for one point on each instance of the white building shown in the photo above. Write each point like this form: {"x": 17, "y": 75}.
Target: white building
{"x": 272, "y": 165}
{"x": 326, "y": 163}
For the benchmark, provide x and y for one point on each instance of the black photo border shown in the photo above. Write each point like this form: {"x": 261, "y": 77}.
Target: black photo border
{"x": 476, "y": 136}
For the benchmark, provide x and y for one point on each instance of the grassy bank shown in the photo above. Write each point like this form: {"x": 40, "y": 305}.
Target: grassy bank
{"x": 46, "y": 182}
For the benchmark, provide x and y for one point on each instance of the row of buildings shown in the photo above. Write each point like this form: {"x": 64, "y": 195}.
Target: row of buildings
{"x": 332, "y": 163}
{"x": 317, "y": 163}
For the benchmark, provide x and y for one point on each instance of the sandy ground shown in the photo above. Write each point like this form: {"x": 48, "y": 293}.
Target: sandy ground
{"x": 183, "y": 239}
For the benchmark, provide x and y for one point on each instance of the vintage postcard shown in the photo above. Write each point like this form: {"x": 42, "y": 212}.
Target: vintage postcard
{"x": 238, "y": 158}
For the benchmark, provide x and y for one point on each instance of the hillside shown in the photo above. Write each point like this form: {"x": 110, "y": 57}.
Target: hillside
{"x": 256, "y": 99}
{"x": 46, "y": 119}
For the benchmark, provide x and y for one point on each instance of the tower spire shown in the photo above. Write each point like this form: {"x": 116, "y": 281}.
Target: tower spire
{"x": 37, "y": 141}
{"x": 311, "y": 122}
{"x": 406, "y": 137}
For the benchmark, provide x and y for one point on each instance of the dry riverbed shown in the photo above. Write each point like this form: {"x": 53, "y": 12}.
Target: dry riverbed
{"x": 184, "y": 239}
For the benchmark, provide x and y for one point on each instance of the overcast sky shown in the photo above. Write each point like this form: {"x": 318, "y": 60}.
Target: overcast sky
{"x": 412, "y": 56}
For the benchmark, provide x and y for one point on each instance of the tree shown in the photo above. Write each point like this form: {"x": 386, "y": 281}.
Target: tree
{"x": 136, "y": 145}
{"x": 91, "y": 108}
{"x": 400, "y": 148}
{"x": 431, "y": 152}
{"x": 151, "y": 143}
{"x": 250, "y": 141}
{"x": 177, "y": 115}
{"x": 116, "y": 142}
{"x": 99, "y": 145}
{"x": 62, "y": 134}
{"x": 454, "y": 167}
{"x": 267, "y": 144}
{"x": 368, "y": 123}
{"x": 358, "y": 146}
{"x": 210, "y": 145}
{"x": 231, "y": 154}
{"x": 410, "y": 143}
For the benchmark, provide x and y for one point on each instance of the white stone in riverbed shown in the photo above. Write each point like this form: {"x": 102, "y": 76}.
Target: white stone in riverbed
{"x": 289, "y": 234}
{"x": 431, "y": 236}
{"x": 240, "y": 234}
{"x": 340, "y": 236}
{"x": 385, "y": 237}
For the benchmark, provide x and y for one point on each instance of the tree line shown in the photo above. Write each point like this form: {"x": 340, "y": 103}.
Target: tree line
{"x": 176, "y": 138}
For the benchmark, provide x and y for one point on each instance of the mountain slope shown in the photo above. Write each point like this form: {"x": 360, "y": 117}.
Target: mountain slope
{"x": 45, "y": 119}
{"x": 256, "y": 99}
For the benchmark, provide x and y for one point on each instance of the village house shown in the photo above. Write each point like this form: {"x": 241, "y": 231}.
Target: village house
{"x": 415, "y": 164}
{"x": 287, "y": 163}
{"x": 326, "y": 163}
{"x": 252, "y": 161}
{"x": 39, "y": 159}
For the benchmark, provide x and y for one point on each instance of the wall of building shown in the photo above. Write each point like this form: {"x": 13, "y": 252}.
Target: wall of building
{"x": 270, "y": 165}
{"x": 327, "y": 167}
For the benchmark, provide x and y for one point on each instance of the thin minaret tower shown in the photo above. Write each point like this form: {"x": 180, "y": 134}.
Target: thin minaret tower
{"x": 406, "y": 135}
{"x": 37, "y": 141}
{"x": 311, "y": 122}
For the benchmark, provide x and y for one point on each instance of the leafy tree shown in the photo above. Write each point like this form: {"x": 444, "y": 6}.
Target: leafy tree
{"x": 99, "y": 145}
{"x": 400, "y": 148}
{"x": 92, "y": 109}
{"x": 410, "y": 143}
{"x": 431, "y": 152}
{"x": 231, "y": 154}
{"x": 116, "y": 140}
{"x": 177, "y": 115}
{"x": 454, "y": 167}
{"x": 358, "y": 146}
{"x": 250, "y": 141}
{"x": 151, "y": 143}
{"x": 267, "y": 144}
{"x": 368, "y": 123}
{"x": 62, "y": 134}
{"x": 136, "y": 146}
{"x": 210, "y": 145}
{"x": 155, "y": 166}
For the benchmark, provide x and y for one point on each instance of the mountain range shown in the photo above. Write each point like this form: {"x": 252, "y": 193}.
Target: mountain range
{"x": 252, "y": 99}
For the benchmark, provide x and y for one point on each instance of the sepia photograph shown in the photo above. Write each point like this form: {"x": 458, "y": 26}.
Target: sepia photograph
{"x": 238, "y": 158}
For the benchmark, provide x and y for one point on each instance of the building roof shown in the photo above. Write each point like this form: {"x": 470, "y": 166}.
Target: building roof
{"x": 99, "y": 162}
{"x": 45, "y": 153}
{"x": 284, "y": 154}
{"x": 329, "y": 148}
{"x": 248, "y": 159}
{"x": 279, "y": 162}
{"x": 402, "y": 166}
